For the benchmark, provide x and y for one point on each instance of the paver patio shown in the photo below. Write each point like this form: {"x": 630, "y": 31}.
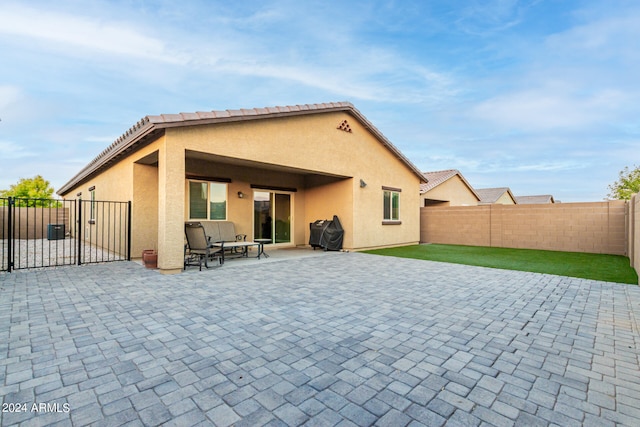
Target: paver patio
{"x": 340, "y": 339}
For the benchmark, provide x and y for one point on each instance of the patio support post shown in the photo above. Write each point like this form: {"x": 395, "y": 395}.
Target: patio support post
{"x": 171, "y": 200}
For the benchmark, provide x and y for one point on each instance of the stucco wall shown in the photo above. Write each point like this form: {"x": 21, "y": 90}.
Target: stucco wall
{"x": 313, "y": 144}
{"x": 325, "y": 199}
{"x": 305, "y": 142}
{"x": 144, "y": 206}
{"x": 240, "y": 210}
{"x": 308, "y": 153}
{"x": 597, "y": 227}
{"x": 127, "y": 181}
{"x": 505, "y": 199}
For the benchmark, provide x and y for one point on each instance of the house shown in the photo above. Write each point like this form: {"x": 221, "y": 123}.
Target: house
{"x": 447, "y": 188}
{"x": 500, "y": 196}
{"x": 535, "y": 200}
{"x": 271, "y": 171}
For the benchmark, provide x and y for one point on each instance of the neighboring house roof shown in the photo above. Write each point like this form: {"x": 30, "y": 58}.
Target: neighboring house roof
{"x": 491, "y": 195}
{"x": 436, "y": 178}
{"x": 539, "y": 199}
{"x": 150, "y": 127}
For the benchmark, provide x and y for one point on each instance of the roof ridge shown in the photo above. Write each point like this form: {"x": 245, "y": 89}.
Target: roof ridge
{"x": 244, "y": 112}
{"x": 493, "y": 188}
{"x": 441, "y": 171}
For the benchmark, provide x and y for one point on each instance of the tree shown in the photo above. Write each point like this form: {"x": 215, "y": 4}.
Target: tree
{"x": 36, "y": 188}
{"x": 628, "y": 183}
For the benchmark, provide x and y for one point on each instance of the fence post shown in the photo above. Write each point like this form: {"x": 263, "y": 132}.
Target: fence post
{"x": 129, "y": 230}
{"x": 79, "y": 219}
{"x": 10, "y": 234}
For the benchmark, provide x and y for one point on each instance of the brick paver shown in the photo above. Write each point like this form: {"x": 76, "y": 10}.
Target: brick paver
{"x": 338, "y": 339}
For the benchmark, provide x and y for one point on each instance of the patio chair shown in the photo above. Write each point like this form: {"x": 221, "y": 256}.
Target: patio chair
{"x": 198, "y": 248}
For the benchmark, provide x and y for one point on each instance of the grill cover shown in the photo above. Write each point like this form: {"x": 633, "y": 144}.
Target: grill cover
{"x": 326, "y": 234}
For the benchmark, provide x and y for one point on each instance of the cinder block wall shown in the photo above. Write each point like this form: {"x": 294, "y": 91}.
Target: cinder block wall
{"x": 633, "y": 229}
{"x": 456, "y": 225}
{"x": 598, "y": 227}
{"x": 32, "y": 223}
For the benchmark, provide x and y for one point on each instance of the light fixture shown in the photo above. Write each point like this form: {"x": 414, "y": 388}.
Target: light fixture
{"x": 240, "y": 194}
{"x": 362, "y": 184}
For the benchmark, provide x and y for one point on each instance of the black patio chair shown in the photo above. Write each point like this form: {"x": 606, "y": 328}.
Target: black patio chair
{"x": 198, "y": 249}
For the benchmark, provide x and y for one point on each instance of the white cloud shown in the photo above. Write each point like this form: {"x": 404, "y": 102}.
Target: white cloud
{"x": 475, "y": 85}
{"x": 12, "y": 151}
{"x": 577, "y": 79}
{"x": 561, "y": 165}
{"x": 9, "y": 95}
{"x": 491, "y": 16}
{"x": 348, "y": 69}
{"x": 547, "y": 109}
{"x": 100, "y": 139}
{"x": 601, "y": 37}
{"x": 85, "y": 32}
{"x": 16, "y": 107}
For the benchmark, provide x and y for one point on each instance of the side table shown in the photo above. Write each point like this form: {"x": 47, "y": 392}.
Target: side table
{"x": 261, "y": 243}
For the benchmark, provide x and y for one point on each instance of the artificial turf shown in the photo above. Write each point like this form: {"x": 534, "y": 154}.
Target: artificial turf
{"x": 608, "y": 268}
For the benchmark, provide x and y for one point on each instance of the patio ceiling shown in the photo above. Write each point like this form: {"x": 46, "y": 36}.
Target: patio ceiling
{"x": 214, "y": 158}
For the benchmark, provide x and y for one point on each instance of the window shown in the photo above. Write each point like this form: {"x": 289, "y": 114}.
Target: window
{"x": 207, "y": 200}
{"x": 391, "y": 205}
{"x": 92, "y": 211}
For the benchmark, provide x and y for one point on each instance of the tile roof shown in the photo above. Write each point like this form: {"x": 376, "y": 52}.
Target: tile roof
{"x": 150, "y": 126}
{"x": 538, "y": 199}
{"x": 244, "y": 113}
{"x": 436, "y": 178}
{"x": 491, "y": 195}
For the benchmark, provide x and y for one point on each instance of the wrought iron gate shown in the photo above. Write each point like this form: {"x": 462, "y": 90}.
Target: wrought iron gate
{"x": 39, "y": 233}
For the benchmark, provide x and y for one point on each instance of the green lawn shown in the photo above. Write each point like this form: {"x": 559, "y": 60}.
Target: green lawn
{"x": 609, "y": 268}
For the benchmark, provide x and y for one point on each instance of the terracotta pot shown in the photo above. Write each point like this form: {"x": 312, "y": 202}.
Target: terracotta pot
{"x": 150, "y": 258}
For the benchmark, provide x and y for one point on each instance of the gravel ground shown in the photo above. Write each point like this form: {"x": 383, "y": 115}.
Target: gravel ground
{"x": 36, "y": 253}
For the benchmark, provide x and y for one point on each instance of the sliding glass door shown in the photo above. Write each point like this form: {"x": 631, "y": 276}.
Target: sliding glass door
{"x": 272, "y": 216}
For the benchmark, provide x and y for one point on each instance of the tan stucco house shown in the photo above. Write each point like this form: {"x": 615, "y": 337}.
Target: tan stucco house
{"x": 271, "y": 171}
{"x": 447, "y": 188}
{"x": 498, "y": 196}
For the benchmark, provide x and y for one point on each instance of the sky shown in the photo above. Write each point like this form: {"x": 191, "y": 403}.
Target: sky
{"x": 540, "y": 96}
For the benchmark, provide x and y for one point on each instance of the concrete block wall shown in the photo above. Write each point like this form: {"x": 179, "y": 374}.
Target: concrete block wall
{"x": 633, "y": 230}
{"x": 33, "y": 223}
{"x": 598, "y": 227}
{"x": 456, "y": 225}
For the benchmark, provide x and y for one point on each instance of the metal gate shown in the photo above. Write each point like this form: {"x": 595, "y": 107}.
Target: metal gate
{"x": 39, "y": 233}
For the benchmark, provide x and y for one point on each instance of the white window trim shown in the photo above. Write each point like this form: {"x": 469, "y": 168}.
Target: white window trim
{"x": 93, "y": 205}
{"x": 391, "y": 191}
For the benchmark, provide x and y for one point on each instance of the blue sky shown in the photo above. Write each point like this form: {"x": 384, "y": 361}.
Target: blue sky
{"x": 540, "y": 96}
